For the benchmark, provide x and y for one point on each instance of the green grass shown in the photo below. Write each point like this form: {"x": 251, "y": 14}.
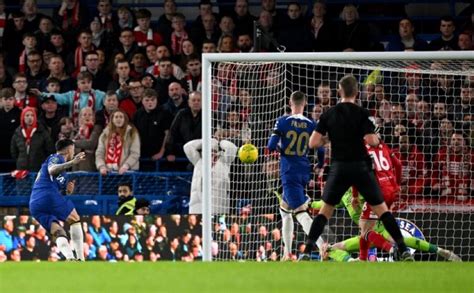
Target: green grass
{"x": 237, "y": 277}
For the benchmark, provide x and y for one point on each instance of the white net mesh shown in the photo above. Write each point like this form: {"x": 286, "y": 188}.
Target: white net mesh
{"x": 424, "y": 111}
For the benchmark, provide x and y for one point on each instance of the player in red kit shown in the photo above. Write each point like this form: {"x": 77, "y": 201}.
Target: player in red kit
{"x": 388, "y": 171}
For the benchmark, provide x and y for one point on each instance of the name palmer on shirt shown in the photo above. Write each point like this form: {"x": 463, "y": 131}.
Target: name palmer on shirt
{"x": 299, "y": 124}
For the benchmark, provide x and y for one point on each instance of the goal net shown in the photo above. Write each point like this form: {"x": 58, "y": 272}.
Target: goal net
{"x": 422, "y": 104}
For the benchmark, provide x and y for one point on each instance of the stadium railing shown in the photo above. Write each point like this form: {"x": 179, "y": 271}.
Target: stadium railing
{"x": 168, "y": 192}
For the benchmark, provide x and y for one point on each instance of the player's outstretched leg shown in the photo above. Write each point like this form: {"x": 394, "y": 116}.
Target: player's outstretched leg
{"x": 317, "y": 227}
{"x": 62, "y": 241}
{"x": 306, "y": 221}
{"x": 287, "y": 231}
{"x": 388, "y": 220}
{"x": 77, "y": 236}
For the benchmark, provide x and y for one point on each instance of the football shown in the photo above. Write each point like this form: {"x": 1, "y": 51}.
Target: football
{"x": 248, "y": 153}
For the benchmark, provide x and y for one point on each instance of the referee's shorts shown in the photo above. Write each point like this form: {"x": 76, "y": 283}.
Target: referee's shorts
{"x": 343, "y": 175}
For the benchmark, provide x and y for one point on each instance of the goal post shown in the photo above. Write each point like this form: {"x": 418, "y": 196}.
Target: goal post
{"x": 305, "y": 72}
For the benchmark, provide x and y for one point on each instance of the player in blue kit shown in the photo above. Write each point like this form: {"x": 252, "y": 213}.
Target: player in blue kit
{"x": 291, "y": 136}
{"x": 48, "y": 206}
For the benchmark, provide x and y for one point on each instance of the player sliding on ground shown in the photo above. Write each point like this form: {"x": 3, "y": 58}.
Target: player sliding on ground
{"x": 290, "y": 136}
{"x": 347, "y": 126}
{"x": 342, "y": 251}
{"x": 48, "y": 206}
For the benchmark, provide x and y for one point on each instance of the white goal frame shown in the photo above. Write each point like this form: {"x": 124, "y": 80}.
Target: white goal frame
{"x": 208, "y": 58}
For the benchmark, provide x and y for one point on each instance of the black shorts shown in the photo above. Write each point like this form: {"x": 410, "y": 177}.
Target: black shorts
{"x": 359, "y": 174}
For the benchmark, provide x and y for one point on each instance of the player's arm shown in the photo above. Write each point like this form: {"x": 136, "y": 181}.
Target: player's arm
{"x": 56, "y": 169}
{"x": 191, "y": 150}
{"x": 229, "y": 149}
{"x": 317, "y": 140}
{"x": 397, "y": 165}
{"x": 275, "y": 137}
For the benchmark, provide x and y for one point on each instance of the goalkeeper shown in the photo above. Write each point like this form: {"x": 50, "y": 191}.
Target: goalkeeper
{"x": 341, "y": 251}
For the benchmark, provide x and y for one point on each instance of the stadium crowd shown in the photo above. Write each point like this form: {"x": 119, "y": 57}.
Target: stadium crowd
{"x": 108, "y": 238}
{"x": 153, "y": 238}
{"x": 126, "y": 89}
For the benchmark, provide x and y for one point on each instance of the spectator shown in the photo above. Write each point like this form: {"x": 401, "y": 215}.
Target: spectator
{"x": 29, "y": 42}
{"x": 133, "y": 102}
{"x": 210, "y": 31}
{"x": 322, "y": 31}
{"x": 15, "y": 255}
{"x": 164, "y": 80}
{"x": 84, "y": 96}
{"x": 111, "y": 103}
{"x": 125, "y": 19}
{"x": 98, "y": 233}
{"x": 71, "y": 15}
{"x": 121, "y": 77}
{"x": 34, "y": 70}
{"x": 193, "y": 77}
{"x": 66, "y": 128}
{"x": 139, "y": 64}
{"x": 465, "y": 41}
{"x": 205, "y": 8}
{"x": 452, "y": 170}
{"x": 23, "y": 98}
{"x": 143, "y": 33}
{"x": 226, "y": 44}
{"x": 32, "y": 17}
{"x": 185, "y": 127}
{"x": 179, "y": 33}
{"x": 447, "y": 41}
{"x": 223, "y": 155}
{"x": 86, "y": 139}
{"x": 172, "y": 253}
{"x": 43, "y": 34}
{"x": 165, "y": 21}
{"x": 57, "y": 45}
{"x": 56, "y": 70}
{"x": 75, "y": 60}
{"x": 14, "y": 32}
{"x": 227, "y": 26}
{"x": 242, "y": 18}
{"x": 127, "y": 45}
{"x": 162, "y": 52}
{"x": 413, "y": 162}
{"x": 142, "y": 207}
{"x": 9, "y": 120}
{"x": 50, "y": 116}
{"x": 464, "y": 105}
{"x": 293, "y": 34}
{"x": 5, "y": 77}
{"x": 177, "y": 100}
{"x": 245, "y": 43}
{"x": 265, "y": 21}
{"x": 31, "y": 143}
{"x": 119, "y": 146}
{"x": 30, "y": 251}
{"x": 3, "y": 20}
{"x": 153, "y": 123}
{"x": 353, "y": 35}
{"x": 209, "y": 46}
{"x": 6, "y": 236}
{"x": 100, "y": 79}
{"x": 406, "y": 40}
{"x": 105, "y": 15}
{"x": 103, "y": 254}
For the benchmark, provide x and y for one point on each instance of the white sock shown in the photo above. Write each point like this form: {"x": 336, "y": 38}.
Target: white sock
{"x": 287, "y": 231}
{"x": 306, "y": 221}
{"x": 63, "y": 245}
{"x": 77, "y": 239}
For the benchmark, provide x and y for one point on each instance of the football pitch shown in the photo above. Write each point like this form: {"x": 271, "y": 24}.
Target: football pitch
{"x": 237, "y": 277}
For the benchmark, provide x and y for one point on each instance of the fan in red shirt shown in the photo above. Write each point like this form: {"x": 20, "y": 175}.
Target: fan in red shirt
{"x": 452, "y": 169}
{"x": 413, "y": 162}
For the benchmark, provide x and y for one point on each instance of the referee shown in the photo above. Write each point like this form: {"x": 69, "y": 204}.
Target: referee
{"x": 347, "y": 126}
